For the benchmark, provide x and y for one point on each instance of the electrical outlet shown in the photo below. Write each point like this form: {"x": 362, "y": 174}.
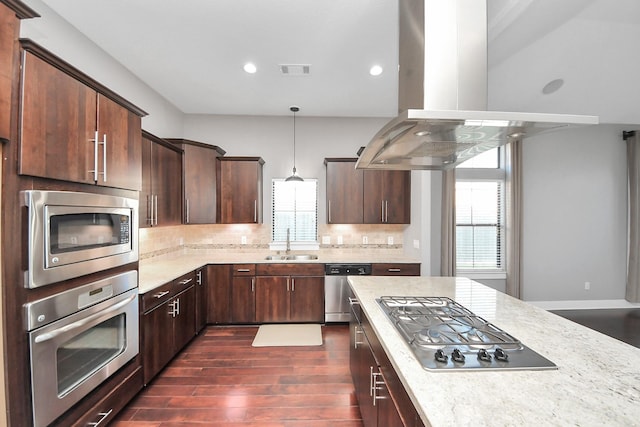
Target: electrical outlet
{"x": 587, "y": 286}
{"x": 365, "y": 240}
{"x": 339, "y": 240}
{"x": 243, "y": 240}
{"x": 416, "y": 244}
{"x": 326, "y": 240}
{"x": 390, "y": 240}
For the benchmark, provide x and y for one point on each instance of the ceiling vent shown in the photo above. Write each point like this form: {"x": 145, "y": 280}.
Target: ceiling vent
{"x": 295, "y": 69}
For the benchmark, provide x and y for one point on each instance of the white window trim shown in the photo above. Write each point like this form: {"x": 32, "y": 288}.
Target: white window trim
{"x": 295, "y": 246}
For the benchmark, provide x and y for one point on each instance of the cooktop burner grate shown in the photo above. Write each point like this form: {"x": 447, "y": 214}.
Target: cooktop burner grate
{"x": 443, "y": 334}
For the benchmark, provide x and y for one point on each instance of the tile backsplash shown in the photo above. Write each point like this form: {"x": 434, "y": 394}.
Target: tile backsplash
{"x": 252, "y": 237}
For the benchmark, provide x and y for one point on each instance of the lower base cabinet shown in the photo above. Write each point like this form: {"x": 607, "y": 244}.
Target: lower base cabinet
{"x": 381, "y": 397}
{"x": 168, "y": 323}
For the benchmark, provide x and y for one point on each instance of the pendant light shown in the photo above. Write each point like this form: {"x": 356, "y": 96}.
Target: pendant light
{"x": 294, "y": 176}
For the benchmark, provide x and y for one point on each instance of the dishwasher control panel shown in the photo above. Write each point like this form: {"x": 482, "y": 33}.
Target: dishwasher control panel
{"x": 347, "y": 270}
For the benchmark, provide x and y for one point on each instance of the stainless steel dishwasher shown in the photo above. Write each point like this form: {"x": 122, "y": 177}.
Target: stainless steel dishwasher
{"x": 336, "y": 289}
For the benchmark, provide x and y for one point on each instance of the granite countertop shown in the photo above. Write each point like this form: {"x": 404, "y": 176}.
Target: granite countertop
{"x": 157, "y": 271}
{"x": 597, "y": 381}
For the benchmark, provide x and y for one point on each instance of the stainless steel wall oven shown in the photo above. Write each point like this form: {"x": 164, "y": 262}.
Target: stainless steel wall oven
{"x": 71, "y": 234}
{"x": 77, "y": 339}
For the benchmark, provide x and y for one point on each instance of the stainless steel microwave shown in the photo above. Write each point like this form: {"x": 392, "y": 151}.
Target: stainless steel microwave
{"x": 71, "y": 234}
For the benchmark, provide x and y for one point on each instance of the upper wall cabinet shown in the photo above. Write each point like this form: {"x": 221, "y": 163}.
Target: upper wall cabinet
{"x": 240, "y": 190}
{"x": 161, "y": 182}
{"x": 199, "y": 178}
{"x": 387, "y": 197}
{"x": 10, "y": 14}
{"x": 344, "y": 192}
{"x": 356, "y": 196}
{"x": 74, "y": 129}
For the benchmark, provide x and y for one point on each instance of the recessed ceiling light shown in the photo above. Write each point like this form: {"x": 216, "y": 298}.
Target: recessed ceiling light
{"x": 376, "y": 70}
{"x": 250, "y": 68}
{"x": 552, "y": 86}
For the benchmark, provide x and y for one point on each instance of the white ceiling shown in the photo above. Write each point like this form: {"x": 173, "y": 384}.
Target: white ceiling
{"x": 192, "y": 52}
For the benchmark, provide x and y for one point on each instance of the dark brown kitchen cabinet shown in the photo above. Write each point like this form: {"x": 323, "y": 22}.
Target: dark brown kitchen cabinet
{"x": 381, "y": 396}
{"x": 73, "y": 128}
{"x": 357, "y": 196}
{"x": 161, "y": 183}
{"x": 289, "y": 293}
{"x": 243, "y": 294}
{"x": 387, "y": 196}
{"x": 168, "y": 323}
{"x": 219, "y": 283}
{"x": 9, "y": 30}
{"x": 344, "y": 192}
{"x": 199, "y": 180}
{"x": 239, "y": 190}
{"x": 395, "y": 269}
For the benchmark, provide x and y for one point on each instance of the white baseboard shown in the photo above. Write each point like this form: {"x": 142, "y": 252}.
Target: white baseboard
{"x": 583, "y": 304}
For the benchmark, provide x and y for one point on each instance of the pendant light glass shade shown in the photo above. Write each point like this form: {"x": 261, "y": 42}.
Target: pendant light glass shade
{"x": 294, "y": 176}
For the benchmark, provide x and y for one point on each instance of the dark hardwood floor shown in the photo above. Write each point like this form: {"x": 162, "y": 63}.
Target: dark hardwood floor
{"x": 620, "y": 323}
{"x": 221, "y": 380}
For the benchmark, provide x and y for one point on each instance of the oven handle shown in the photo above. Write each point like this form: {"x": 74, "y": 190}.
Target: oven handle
{"x": 50, "y": 335}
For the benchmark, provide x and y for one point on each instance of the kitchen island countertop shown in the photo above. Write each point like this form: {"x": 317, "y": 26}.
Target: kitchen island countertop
{"x": 597, "y": 382}
{"x": 157, "y": 271}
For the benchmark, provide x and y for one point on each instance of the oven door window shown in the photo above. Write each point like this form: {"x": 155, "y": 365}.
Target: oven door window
{"x": 79, "y": 231}
{"x": 89, "y": 351}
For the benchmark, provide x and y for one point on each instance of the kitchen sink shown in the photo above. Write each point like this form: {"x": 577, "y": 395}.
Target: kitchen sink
{"x": 300, "y": 257}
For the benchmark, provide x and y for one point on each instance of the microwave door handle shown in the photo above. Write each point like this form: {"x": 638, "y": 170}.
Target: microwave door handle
{"x": 50, "y": 335}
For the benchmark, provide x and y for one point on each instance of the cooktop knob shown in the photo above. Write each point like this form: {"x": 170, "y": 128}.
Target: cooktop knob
{"x": 501, "y": 355}
{"x": 441, "y": 357}
{"x": 484, "y": 355}
{"x": 457, "y": 356}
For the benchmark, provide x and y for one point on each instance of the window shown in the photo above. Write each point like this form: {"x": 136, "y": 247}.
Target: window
{"x": 295, "y": 208}
{"x": 480, "y": 216}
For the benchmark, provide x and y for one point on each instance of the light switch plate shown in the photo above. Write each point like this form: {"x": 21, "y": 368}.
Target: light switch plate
{"x": 339, "y": 240}
{"x": 243, "y": 240}
{"x": 365, "y": 240}
{"x": 416, "y": 244}
{"x": 326, "y": 240}
{"x": 390, "y": 240}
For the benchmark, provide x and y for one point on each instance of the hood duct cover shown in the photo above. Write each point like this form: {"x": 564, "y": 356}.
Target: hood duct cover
{"x": 442, "y": 93}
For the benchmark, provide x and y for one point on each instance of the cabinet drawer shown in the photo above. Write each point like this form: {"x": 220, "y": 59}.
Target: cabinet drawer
{"x": 183, "y": 282}
{"x": 156, "y": 297}
{"x": 291, "y": 269}
{"x": 244, "y": 269}
{"x": 396, "y": 269}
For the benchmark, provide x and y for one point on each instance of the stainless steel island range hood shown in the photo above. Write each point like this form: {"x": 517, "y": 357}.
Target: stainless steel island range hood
{"x": 442, "y": 96}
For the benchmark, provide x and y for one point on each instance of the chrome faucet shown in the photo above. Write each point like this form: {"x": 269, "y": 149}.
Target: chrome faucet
{"x": 288, "y": 241}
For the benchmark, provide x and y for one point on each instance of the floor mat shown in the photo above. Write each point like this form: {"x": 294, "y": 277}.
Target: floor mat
{"x": 287, "y": 335}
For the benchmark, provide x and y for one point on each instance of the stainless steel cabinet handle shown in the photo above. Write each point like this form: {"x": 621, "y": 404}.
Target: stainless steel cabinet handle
{"x": 394, "y": 270}
{"x": 353, "y": 301}
{"x": 386, "y": 211}
{"x": 149, "y": 210}
{"x": 243, "y": 270}
{"x": 357, "y": 331}
{"x": 376, "y": 384}
{"x": 160, "y": 294}
{"x": 178, "y": 307}
{"x": 103, "y": 416}
{"x": 104, "y": 157}
{"x": 288, "y": 281}
{"x": 187, "y": 213}
{"x": 293, "y": 285}
{"x": 95, "y": 156}
{"x": 329, "y": 213}
{"x": 156, "y": 209}
{"x": 185, "y": 281}
{"x": 255, "y": 211}
{"x": 199, "y": 277}
{"x": 381, "y": 210}
{"x": 253, "y": 285}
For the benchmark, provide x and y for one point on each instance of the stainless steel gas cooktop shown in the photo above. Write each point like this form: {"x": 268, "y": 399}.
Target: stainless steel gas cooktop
{"x": 444, "y": 335}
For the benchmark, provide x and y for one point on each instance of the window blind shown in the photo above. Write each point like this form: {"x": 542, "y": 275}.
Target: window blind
{"x": 295, "y": 207}
{"x": 479, "y": 225}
